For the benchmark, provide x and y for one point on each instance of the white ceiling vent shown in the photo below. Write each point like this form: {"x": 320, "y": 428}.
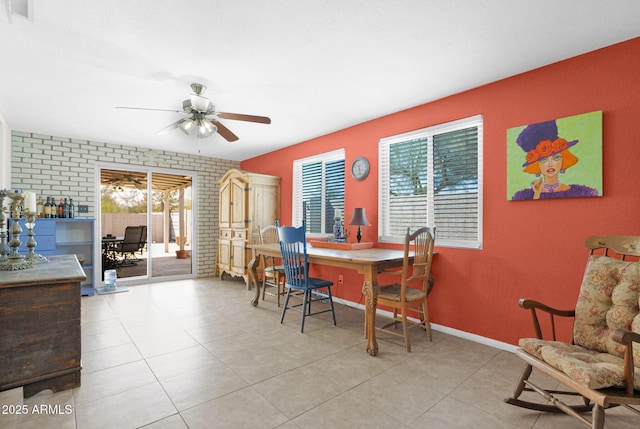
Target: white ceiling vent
{"x": 20, "y": 8}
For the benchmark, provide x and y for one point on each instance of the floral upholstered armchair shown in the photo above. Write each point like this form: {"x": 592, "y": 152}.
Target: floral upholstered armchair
{"x": 600, "y": 363}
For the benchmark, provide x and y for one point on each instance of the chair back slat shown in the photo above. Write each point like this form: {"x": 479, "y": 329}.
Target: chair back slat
{"x": 269, "y": 235}
{"x": 294, "y": 254}
{"x": 421, "y": 241}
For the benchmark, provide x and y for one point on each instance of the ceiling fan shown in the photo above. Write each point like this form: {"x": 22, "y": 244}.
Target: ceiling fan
{"x": 118, "y": 182}
{"x": 203, "y": 118}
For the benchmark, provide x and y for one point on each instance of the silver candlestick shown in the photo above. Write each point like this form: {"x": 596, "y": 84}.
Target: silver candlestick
{"x": 15, "y": 261}
{"x": 30, "y": 218}
{"x": 4, "y": 247}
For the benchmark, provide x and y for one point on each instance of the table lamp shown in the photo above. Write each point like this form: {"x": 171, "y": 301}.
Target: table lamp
{"x": 359, "y": 218}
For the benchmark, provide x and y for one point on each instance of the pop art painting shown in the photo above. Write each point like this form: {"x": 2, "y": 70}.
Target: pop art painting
{"x": 561, "y": 158}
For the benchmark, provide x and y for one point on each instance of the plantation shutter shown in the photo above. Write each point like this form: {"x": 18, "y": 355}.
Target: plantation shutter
{"x": 407, "y": 186}
{"x": 318, "y": 191}
{"x": 334, "y": 192}
{"x": 455, "y": 177}
{"x": 431, "y": 177}
{"x": 312, "y": 195}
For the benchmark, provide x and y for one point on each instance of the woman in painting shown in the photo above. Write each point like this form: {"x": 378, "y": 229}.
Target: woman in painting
{"x": 547, "y": 157}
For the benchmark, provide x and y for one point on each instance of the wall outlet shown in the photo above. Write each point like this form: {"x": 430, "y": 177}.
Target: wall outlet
{"x": 83, "y": 209}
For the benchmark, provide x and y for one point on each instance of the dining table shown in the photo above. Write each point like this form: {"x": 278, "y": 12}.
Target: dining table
{"x": 368, "y": 262}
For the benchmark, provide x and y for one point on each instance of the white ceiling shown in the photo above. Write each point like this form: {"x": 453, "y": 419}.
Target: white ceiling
{"x": 313, "y": 66}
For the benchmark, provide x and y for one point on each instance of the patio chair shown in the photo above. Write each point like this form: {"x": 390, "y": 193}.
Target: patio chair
{"x": 143, "y": 239}
{"x": 129, "y": 245}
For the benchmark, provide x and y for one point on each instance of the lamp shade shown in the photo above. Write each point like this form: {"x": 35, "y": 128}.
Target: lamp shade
{"x": 359, "y": 217}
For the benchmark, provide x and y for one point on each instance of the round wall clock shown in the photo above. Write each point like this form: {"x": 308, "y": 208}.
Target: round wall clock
{"x": 360, "y": 168}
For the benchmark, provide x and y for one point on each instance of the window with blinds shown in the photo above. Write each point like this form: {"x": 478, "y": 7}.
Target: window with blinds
{"x": 318, "y": 191}
{"x": 433, "y": 177}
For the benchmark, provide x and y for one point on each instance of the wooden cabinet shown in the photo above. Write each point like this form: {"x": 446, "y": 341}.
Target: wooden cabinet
{"x": 248, "y": 201}
{"x": 40, "y": 326}
{"x": 59, "y": 236}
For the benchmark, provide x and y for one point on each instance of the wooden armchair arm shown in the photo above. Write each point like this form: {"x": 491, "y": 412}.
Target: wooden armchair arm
{"x": 627, "y": 338}
{"x": 533, "y": 306}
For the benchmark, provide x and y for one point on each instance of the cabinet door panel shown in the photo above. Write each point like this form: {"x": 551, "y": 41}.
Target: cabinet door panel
{"x": 225, "y": 203}
{"x": 238, "y": 203}
{"x": 47, "y": 242}
{"x": 224, "y": 258}
{"x": 44, "y": 242}
{"x": 43, "y": 227}
{"x": 238, "y": 262}
{"x": 265, "y": 206}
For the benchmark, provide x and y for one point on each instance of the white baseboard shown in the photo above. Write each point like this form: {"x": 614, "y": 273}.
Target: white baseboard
{"x": 444, "y": 329}
{"x": 475, "y": 338}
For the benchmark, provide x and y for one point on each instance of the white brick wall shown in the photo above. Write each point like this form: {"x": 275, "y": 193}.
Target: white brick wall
{"x": 64, "y": 167}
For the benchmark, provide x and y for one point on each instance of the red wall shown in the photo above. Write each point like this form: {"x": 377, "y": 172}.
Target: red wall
{"x": 530, "y": 249}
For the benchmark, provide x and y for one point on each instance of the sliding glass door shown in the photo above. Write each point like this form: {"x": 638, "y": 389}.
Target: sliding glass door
{"x": 172, "y": 209}
{"x": 146, "y": 223}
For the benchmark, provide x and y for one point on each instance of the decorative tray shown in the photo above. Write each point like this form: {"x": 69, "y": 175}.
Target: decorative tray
{"x": 341, "y": 246}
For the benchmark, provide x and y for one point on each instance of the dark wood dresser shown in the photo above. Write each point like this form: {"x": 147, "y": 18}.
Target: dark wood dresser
{"x": 40, "y": 326}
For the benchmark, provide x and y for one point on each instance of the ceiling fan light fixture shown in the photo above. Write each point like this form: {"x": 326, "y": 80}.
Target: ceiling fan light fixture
{"x": 206, "y": 128}
{"x": 188, "y": 126}
{"x": 200, "y": 103}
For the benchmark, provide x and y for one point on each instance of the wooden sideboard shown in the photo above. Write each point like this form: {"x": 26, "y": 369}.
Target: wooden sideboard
{"x": 40, "y": 326}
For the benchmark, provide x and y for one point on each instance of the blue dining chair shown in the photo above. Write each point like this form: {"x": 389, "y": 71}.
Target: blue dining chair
{"x": 294, "y": 258}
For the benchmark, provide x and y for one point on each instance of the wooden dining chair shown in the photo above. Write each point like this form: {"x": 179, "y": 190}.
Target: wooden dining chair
{"x": 272, "y": 269}
{"x": 401, "y": 297}
{"x": 296, "y": 267}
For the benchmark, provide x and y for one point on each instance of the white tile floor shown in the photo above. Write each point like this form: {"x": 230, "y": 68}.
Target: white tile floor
{"x": 196, "y": 354}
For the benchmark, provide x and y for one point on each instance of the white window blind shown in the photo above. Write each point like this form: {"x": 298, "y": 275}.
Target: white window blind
{"x": 318, "y": 190}
{"x": 433, "y": 177}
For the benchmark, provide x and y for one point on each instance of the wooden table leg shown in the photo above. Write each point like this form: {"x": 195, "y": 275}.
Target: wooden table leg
{"x": 370, "y": 291}
{"x": 253, "y": 276}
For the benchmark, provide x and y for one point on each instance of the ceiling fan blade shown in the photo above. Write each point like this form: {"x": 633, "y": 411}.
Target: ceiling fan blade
{"x": 144, "y": 108}
{"x": 241, "y": 117}
{"x": 173, "y": 126}
{"x": 225, "y": 132}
